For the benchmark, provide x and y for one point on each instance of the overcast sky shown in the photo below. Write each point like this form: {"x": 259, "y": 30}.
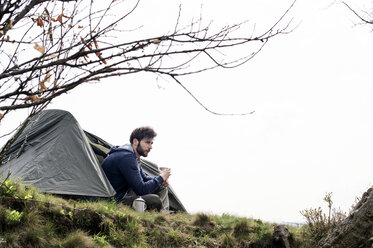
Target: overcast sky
{"x": 311, "y": 131}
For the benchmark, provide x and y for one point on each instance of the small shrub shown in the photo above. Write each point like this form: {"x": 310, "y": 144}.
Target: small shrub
{"x": 301, "y": 237}
{"x": 205, "y": 225}
{"x": 77, "y": 239}
{"x": 8, "y": 188}
{"x": 159, "y": 219}
{"x": 49, "y": 231}
{"x": 100, "y": 239}
{"x": 252, "y": 233}
{"x": 175, "y": 238}
{"x": 202, "y": 219}
{"x": 120, "y": 238}
{"x": 11, "y": 239}
{"x": 13, "y": 217}
{"x": 319, "y": 224}
{"x": 158, "y": 236}
{"x": 86, "y": 219}
{"x": 127, "y": 231}
{"x": 133, "y": 227}
{"x": 106, "y": 226}
{"x": 228, "y": 241}
{"x": 263, "y": 235}
{"x": 241, "y": 230}
{"x": 31, "y": 217}
{"x": 34, "y": 237}
{"x": 26, "y": 192}
{"x": 104, "y": 207}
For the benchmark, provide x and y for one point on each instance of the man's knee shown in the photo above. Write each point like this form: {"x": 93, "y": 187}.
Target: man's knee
{"x": 162, "y": 191}
{"x": 153, "y": 202}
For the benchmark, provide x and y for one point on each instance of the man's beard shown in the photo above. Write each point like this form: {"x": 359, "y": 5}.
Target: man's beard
{"x": 140, "y": 151}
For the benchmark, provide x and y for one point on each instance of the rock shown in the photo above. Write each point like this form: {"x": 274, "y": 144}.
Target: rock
{"x": 281, "y": 236}
{"x": 356, "y": 230}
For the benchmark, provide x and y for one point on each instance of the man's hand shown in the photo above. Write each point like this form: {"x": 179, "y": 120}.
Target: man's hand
{"x": 165, "y": 174}
{"x": 165, "y": 184}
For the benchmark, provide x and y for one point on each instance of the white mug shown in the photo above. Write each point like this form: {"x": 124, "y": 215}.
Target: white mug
{"x": 139, "y": 204}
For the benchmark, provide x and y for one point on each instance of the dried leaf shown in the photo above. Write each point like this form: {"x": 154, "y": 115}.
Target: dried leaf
{"x": 59, "y": 18}
{"x": 52, "y": 56}
{"x": 47, "y": 77}
{"x": 39, "y": 22}
{"x": 156, "y": 41}
{"x": 53, "y": 20}
{"x": 39, "y": 48}
{"x": 100, "y": 57}
{"x": 33, "y": 98}
{"x": 7, "y": 38}
{"x": 80, "y": 26}
{"x": 10, "y": 24}
{"x": 69, "y": 25}
{"x": 1, "y": 32}
{"x": 95, "y": 41}
{"x": 42, "y": 87}
{"x": 1, "y": 116}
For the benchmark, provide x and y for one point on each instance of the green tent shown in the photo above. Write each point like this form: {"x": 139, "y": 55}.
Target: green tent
{"x": 57, "y": 156}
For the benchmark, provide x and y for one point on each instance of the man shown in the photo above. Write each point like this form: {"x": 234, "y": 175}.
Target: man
{"x": 123, "y": 169}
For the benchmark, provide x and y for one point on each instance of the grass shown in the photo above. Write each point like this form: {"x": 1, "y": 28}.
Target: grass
{"x": 31, "y": 219}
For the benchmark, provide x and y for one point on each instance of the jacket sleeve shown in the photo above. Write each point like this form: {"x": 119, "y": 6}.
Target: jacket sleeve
{"x": 145, "y": 176}
{"x": 132, "y": 175}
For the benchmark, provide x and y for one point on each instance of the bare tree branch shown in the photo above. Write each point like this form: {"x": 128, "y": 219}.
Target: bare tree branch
{"x": 359, "y": 16}
{"x": 48, "y": 48}
{"x": 199, "y": 102}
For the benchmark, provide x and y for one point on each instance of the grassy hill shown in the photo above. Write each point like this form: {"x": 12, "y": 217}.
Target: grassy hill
{"x": 31, "y": 219}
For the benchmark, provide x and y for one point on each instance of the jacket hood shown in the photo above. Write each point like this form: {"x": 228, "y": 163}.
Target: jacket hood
{"x": 126, "y": 147}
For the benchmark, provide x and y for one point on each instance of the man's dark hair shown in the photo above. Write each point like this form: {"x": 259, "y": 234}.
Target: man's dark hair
{"x": 142, "y": 132}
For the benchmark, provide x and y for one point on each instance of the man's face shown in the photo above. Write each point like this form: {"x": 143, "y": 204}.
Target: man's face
{"x": 144, "y": 146}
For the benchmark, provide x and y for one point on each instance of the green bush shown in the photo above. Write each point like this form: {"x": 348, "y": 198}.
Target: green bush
{"x": 13, "y": 217}
{"x": 100, "y": 239}
{"x": 78, "y": 239}
{"x": 228, "y": 241}
{"x": 8, "y": 188}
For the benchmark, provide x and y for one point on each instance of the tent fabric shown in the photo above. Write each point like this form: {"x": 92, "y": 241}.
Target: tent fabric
{"x": 57, "y": 156}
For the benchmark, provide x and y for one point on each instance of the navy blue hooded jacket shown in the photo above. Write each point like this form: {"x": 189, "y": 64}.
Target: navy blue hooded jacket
{"x": 123, "y": 172}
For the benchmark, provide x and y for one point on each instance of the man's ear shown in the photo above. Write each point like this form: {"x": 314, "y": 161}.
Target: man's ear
{"x": 135, "y": 142}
